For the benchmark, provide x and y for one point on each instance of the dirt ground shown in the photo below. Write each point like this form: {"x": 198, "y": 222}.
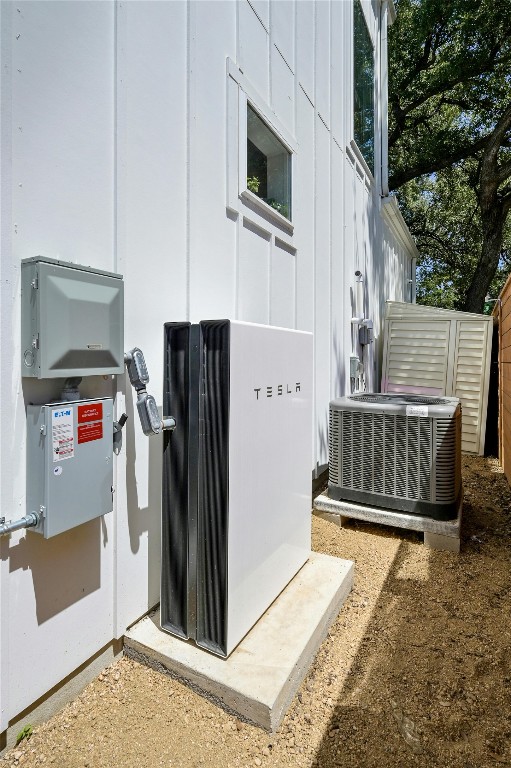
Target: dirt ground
{"x": 416, "y": 671}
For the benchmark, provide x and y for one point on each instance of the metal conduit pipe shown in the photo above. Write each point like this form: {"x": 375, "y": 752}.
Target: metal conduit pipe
{"x": 29, "y": 521}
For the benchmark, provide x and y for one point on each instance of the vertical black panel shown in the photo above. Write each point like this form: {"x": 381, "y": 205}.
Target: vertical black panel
{"x": 193, "y": 476}
{"x": 175, "y": 503}
{"x": 213, "y": 486}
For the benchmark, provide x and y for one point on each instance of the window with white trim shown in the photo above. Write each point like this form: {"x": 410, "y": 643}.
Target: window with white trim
{"x": 268, "y": 165}
{"x": 363, "y": 94}
{"x": 261, "y": 153}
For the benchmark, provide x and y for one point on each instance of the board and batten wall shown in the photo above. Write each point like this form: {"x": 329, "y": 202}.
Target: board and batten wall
{"x": 120, "y": 150}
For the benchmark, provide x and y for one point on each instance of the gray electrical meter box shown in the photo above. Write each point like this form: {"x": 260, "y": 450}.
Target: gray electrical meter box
{"x": 69, "y": 463}
{"x": 72, "y": 320}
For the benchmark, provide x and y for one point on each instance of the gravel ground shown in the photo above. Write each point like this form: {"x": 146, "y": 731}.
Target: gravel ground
{"x": 416, "y": 671}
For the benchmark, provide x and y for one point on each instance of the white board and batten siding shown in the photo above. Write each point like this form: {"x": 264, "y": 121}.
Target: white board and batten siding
{"x": 121, "y": 150}
{"x": 432, "y": 351}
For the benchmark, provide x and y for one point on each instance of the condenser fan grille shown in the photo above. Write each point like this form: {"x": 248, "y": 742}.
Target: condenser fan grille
{"x": 397, "y": 399}
{"x": 446, "y": 458}
{"x": 384, "y": 454}
{"x": 396, "y": 457}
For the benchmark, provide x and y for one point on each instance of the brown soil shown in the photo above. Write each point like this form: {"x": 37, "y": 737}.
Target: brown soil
{"x": 415, "y": 671}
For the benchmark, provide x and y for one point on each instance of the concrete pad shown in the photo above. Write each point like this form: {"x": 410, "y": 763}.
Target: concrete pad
{"x": 438, "y": 534}
{"x": 261, "y": 676}
{"x": 442, "y": 542}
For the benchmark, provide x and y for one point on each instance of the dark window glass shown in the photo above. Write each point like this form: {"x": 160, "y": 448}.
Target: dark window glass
{"x": 364, "y": 87}
{"x": 268, "y": 165}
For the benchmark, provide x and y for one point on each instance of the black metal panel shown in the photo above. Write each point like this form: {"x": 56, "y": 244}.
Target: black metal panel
{"x": 213, "y": 486}
{"x": 174, "y": 600}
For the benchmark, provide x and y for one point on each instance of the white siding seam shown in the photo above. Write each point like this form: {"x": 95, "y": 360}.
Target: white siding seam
{"x": 269, "y": 43}
{"x": 330, "y": 266}
{"x": 333, "y": 320}
{"x": 271, "y": 256}
{"x": 330, "y": 81}
{"x": 323, "y": 121}
{"x": 307, "y": 95}
{"x": 293, "y": 177}
{"x": 295, "y": 91}
{"x": 115, "y": 228}
{"x": 6, "y": 310}
{"x": 349, "y": 73}
{"x": 314, "y": 259}
{"x": 115, "y": 142}
{"x": 237, "y": 6}
{"x": 188, "y": 158}
{"x": 288, "y": 65}
{"x": 258, "y": 17}
{"x": 295, "y": 288}
{"x": 237, "y": 225}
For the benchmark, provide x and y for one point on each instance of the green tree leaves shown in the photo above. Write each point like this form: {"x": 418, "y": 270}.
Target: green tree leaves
{"x": 450, "y": 140}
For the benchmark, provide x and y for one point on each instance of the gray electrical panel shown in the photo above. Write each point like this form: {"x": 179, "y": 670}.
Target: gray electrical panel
{"x": 69, "y": 463}
{"x": 72, "y": 320}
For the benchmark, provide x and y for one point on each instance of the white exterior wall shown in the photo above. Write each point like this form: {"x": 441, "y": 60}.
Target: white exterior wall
{"x": 400, "y": 254}
{"x": 119, "y": 144}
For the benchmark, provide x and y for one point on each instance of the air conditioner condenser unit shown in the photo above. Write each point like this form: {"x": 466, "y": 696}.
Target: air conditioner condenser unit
{"x": 398, "y": 452}
{"x": 236, "y": 506}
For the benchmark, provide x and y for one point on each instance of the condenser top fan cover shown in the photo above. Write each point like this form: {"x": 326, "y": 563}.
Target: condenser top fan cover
{"x": 397, "y": 451}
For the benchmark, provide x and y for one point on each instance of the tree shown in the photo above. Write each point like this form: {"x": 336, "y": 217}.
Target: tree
{"x": 494, "y": 197}
{"x": 443, "y": 213}
{"x": 450, "y": 107}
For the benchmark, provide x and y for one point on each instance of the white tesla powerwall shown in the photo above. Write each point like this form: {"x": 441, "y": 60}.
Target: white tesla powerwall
{"x": 236, "y": 475}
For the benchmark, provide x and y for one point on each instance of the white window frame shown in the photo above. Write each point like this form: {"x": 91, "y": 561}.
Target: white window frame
{"x": 247, "y": 94}
{"x": 370, "y": 175}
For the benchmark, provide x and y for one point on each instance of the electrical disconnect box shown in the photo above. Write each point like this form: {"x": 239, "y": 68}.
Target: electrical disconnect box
{"x": 69, "y": 463}
{"x": 72, "y": 320}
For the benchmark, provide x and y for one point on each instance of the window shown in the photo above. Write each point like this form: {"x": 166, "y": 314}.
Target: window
{"x": 364, "y": 86}
{"x": 261, "y": 153}
{"x": 268, "y": 165}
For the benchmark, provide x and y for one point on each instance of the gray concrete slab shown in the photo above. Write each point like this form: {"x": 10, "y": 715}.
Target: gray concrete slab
{"x": 438, "y": 534}
{"x": 261, "y": 676}
{"x": 442, "y": 542}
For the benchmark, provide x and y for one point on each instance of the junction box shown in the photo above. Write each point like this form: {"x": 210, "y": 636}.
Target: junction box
{"x": 69, "y": 463}
{"x": 72, "y": 320}
{"x": 72, "y": 325}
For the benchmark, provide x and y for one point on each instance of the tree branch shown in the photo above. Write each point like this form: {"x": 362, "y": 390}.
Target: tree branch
{"x": 463, "y": 75}
{"x": 428, "y": 165}
{"x": 493, "y": 144}
{"x": 503, "y": 172}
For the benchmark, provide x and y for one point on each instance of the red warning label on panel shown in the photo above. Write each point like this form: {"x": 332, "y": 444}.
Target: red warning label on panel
{"x": 90, "y": 412}
{"x": 88, "y": 432}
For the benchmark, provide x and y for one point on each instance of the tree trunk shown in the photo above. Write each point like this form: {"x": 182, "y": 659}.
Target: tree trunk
{"x": 493, "y": 220}
{"x": 494, "y": 206}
